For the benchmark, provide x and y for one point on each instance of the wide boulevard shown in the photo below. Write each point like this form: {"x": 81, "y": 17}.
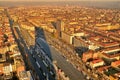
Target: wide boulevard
{"x": 67, "y": 67}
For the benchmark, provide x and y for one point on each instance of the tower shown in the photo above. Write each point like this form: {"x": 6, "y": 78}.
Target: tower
{"x": 59, "y": 27}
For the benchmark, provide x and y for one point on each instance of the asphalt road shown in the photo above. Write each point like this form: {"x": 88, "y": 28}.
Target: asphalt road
{"x": 67, "y": 67}
{"x": 29, "y": 40}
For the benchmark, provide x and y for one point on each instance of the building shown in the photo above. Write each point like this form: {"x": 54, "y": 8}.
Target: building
{"x": 20, "y": 68}
{"x": 112, "y": 77}
{"x": 59, "y": 27}
{"x": 67, "y": 37}
{"x": 111, "y": 72}
{"x": 111, "y": 50}
{"x": 2, "y": 57}
{"x": 23, "y": 75}
{"x": 79, "y": 42}
{"x": 96, "y": 63}
{"x": 87, "y": 55}
{"x": 1, "y": 69}
{"x": 27, "y": 26}
{"x": 102, "y": 69}
{"x": 107, "y": 26}
{"x": 7, "y": 68}
{"x": 115, "y": 63}
{"x": 110, "y": 57}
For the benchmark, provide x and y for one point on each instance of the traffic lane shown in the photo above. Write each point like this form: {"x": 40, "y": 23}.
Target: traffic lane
{"x": 43, "y": 67}
{"x": 36, "y": 68}
{"x": 68, "y": 68}
{"x": 28, "y": 38}
{"x": 33, "y": 62}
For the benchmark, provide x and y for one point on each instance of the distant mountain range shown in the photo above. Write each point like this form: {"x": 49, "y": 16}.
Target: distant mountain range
{"x": 98, "y": 4}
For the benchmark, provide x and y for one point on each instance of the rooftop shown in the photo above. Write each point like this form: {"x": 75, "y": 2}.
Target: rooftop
{"x": 97, "y": 61}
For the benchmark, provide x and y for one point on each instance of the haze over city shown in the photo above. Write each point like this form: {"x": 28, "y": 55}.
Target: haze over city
{"x": 59, "y": 0}
{"x": 59, "y": 39}
{"x": 113, "y": 4}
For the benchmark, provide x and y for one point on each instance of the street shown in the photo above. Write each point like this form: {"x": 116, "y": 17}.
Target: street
{"x": 67, "y": 67}
{"x": 68, "y": 52}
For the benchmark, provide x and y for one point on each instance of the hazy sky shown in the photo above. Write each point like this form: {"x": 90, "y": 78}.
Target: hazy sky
{"x": 59, "y": 0}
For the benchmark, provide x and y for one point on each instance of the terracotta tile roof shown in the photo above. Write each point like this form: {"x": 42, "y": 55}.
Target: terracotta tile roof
{"x": 97, "y": 61}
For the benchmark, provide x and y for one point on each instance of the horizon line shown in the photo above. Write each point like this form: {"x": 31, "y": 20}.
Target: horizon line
{"x": 61, "y": 1}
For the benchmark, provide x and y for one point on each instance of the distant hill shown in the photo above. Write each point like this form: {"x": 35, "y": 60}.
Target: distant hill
{"x": 98, "y": 4}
